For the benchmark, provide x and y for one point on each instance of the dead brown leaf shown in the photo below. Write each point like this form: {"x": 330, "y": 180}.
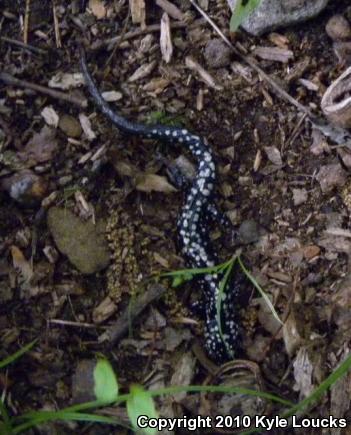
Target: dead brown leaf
{"x": 41, "y": 147}
{"x": 153, "y": 183}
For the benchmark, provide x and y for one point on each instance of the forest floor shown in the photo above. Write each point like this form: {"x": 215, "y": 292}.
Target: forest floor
{"x": 69, "y": 270}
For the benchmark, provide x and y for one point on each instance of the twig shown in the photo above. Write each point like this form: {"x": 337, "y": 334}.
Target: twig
{"x": 21, "y": 44}
{"x": 296, "y": 130}
{"x": 139, "y": 32}
{"x": 56, "y": 25}
{"x": 118, "y": 43}
{"x": 118, "y": 329}
{"x": 26, "y": 22}
{"x": 72, "y": 323}
{"x": 10, "y": 80}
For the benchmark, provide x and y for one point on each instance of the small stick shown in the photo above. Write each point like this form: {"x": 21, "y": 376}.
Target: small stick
{"x": 135, "y": 33}
{"x": 56, "y": 25}
{"x": 118, "y": 43}
{"x": 23, "y": 45}
{"x": 11, "y": 80}
{"x": 26, "y": 22}
{"x": 120, "y": 327}
{"x": 72, "y": 323}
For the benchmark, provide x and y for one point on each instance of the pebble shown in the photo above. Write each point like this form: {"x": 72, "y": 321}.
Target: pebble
{"x": 217, "y": 53}
{"x": 338, "y": 28}
{"x": 330, "y": 176}
{"x": 299, "y": 196}
{"x": 70, "y": 126}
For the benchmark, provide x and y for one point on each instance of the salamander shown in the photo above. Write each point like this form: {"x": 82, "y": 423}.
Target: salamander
{"x": 220, "y": 343}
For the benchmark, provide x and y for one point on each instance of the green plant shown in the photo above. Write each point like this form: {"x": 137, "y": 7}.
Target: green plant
{"x": 242, "y": 10}
{"x": 160, "y": 117}
{"x": 138, "y": 401}
{"x": 224, "y": 269}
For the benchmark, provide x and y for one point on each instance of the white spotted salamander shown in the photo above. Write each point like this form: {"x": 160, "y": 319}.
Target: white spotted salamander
{"x": 198, "y": 209}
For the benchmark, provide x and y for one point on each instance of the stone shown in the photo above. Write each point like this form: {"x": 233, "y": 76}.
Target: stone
{"x": 217, "y": 53}
{"x": 273, "y": 14}
{"x": 84, "y": 243}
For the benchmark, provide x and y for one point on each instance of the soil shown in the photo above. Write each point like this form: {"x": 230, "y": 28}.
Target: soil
{"x": 267, "y": 185}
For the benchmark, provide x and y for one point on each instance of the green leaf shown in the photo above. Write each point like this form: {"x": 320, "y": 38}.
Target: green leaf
{"x": 181, "y": 279}
{"x": 242, "y": 10}
{"x": 106, "y": 386}
{"x": 140, "y": 403}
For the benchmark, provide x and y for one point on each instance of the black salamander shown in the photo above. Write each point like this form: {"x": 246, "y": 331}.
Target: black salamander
{"x": 198, "y": 209}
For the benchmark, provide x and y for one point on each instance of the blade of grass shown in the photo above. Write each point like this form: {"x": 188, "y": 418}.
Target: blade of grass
{"x": 196, "y": 271}
{"x": 322, "y": 388}
{"x": 6, "y": 423}
{"x": 316, "y": 394}
{"x": 212, "y": 389}
{"x": 46, "y": 416}
{"x": 260, "y": 290}
{"x": 10, "y": 359}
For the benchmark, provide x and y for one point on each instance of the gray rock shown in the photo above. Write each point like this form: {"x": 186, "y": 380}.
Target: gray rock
{"x": 272, "y": 14}
{"x": 217, "y": 53}
{"x": 250, "y": 232}
{"x": 83, "y": 242}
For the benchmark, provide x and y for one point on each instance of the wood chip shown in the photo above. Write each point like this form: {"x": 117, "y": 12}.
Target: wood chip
{"x": 274, "y": 155}
{"x": 142, "y": 72}
{"x": 309, "y": 85}
{"x": 86, "y": 127}
{"x": 50, "y": 116}
{"x": 137, "y": 10}
{"x": 171, "y": 9}
{"x": 166, "y": 38}
{"x": 205, "y": 76}
{"x": 274, "y": 53}
{"x": 112, "y": 96}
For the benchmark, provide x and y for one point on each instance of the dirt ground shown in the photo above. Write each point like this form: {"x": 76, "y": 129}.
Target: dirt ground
{"x": 294, "y": 230}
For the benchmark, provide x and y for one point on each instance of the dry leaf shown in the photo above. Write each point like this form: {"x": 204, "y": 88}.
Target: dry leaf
{"x": 166, "y": 38}
{"x": 274, "y": 155}
{"x": 154, "y": 183}
{"x": 41, "y": 147}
